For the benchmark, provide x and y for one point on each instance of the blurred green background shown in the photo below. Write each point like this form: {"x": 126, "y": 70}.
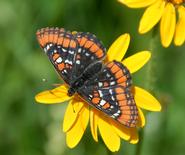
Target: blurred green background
{"x": 27, "y": 128}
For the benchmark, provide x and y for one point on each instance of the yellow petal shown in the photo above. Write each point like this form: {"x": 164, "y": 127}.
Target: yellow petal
{"x": 121, "y": 130}
{"x": 145, "y": 100}
{"x": 137, "y": 3}
{"x": 56, "y": 95}
{"x": 94, "y": 124}
{"x": 109, "y": 136}
{"x": 74, "y": 135}
{"x": 167, "y": 25}
{"x": 180, "y": 27}
{"x": 151, "y": 16}
{"x": 141, "y": 119}
{"x": 136, "y": 61}
{"x": 74, "y": 32}
{"x": 71, "y": 114}
{"x": 119, "y": 48}
{"x": 134, "y": 136}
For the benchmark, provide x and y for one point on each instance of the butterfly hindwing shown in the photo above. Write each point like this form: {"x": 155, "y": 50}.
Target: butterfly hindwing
{"x": 110, "y": 92}
{"x": 61, "y": 47}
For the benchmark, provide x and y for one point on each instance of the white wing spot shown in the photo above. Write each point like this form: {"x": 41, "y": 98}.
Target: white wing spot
{"x": 116, "y": 114}
{"x": 47, "y": 47}
{"x": 64, "y": 50}
{"x": 79, "y": 50}
{"x": 87, "y": 54}
{"x": 112, "y": 83}
{"x": 100, "y": 84}
{"x": 71, "y": 52}
{"x": 108, "y": 75}
{"x": 100, "y": 92}
{"x": 112, "y": 116}
{"x": 113, "y": 98}
{"x": 127, "y": 95}
{"x": 102, "y": 102}
{"x": 128, "y": 102}
{"x": 59, "y": 60}
{"x": 78, "y": 62}
{"x": 111, "y": 91}
{"x": 118, "y": 111}
{"x": 111, "y": 106}
{"x": 68, "y": 62}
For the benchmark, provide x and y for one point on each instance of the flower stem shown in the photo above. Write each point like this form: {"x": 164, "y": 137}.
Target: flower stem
{"x": 150, "y": 80}
{"x": 140, "y": 143}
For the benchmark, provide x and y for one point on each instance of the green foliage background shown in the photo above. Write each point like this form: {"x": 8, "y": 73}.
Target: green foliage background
{"x": 27, "y": 128}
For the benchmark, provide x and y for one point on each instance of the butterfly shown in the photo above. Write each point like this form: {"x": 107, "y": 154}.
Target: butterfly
{"x": 78, "y": 59}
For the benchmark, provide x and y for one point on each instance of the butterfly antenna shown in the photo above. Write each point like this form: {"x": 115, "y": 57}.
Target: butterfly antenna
{"x": 56, "y": 84}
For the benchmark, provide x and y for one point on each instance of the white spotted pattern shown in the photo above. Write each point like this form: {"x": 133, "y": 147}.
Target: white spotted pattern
{"x": 108, "y": 75}
{"x": 112, "y": 83}
{"x": 79, "y": 50}
{"x": 116, "y": 114}
{"x": 113, "y": 98}
{"x": 68, "y": 62}
{"x": 87, "y": 54}
{"x": 111, "y": 92}
{"x": 71, "y": 52}
{"x": 59, "y": 60}
{"x": 102, "y": 102}
{"x": 100, "y": 84}
{"x": 64, "y": 50}
{"x": 47, "y": 47}
{"x": 78, "y": 62}
{"x": 100, "y": 92}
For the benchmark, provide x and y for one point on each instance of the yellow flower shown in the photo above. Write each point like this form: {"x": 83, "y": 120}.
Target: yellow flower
{"x": 167, "y": 12}
{"x": 78, "y": 112}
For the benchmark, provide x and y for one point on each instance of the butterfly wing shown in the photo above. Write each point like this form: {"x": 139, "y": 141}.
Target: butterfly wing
{"x": 110, "y": 92}
{"x": 70, "y": 53}
{"x": 90, "y": 50}
{"x": 60, "y": 46}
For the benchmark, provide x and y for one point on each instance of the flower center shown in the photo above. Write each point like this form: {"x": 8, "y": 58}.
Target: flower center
{"x": 176, "y": 2}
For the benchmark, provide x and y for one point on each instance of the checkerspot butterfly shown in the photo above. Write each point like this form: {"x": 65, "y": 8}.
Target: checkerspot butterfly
{"x": 78, "y": 58}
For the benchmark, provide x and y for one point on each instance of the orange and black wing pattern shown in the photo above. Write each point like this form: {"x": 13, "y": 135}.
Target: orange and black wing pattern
{"x": 70, "y": 53}
{"x": 90, "y": 50}
{"x": 60, "y": 46}
{"x": 110, "y": 92}
{"x": 75, "y": 55}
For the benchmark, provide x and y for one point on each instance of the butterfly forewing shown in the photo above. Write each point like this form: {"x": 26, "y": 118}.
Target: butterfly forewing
{"x": 109, "y": 91}
{"x": 61, "y": 47}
